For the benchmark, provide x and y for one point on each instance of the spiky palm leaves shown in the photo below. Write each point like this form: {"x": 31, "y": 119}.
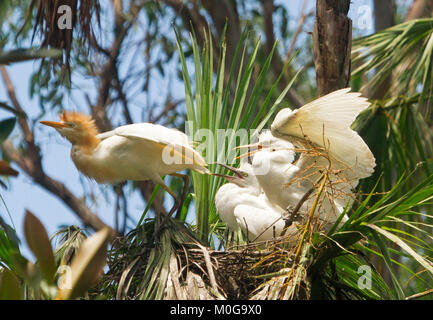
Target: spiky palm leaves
{"x": 392, "y": 218}
{"x": 325, "y": 265}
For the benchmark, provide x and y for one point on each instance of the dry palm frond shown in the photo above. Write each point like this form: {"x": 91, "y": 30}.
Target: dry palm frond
{"x": 178, "y": 266}
{"x": 338, "y": 185}
{"x": 69, "y": 240}
{"x": 50, "y": 14}
{"x": 318, "y": 266}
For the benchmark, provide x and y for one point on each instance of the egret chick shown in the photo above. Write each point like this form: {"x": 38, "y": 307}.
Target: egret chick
{"x": 242, "y": 204}
{"x": 141, "y": 151}
{"x": 242, "y": 186}
{"x": 274, "y": 169}
{"x": 326, "y": 123}
{"x": 284, "y": 180}
{"x": 321, "y": 132}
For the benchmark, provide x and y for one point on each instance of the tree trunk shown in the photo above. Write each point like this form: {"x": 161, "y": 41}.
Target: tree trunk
{"x": 383, "y": 14}
{"x": 384, "y": 11}
{"x": 420, "y": 9}
{"x": 332, "y": 41}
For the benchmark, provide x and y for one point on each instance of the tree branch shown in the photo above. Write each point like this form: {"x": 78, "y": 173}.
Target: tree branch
{"x": 277, "y": 62}
{"x": 193, "y": 20}
{"x": 332, "y": 38}
{"x": 301, "y": 21}
{"x": 30, "y": 161}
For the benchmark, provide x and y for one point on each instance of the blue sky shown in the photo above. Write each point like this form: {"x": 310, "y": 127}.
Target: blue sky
{"x": 23, "y": 194}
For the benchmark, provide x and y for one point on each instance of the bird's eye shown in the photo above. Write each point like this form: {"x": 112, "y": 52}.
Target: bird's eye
{"x": 274, "y": 150}
{"x": 245, "y": 174}
{"x": 71, "y": 124}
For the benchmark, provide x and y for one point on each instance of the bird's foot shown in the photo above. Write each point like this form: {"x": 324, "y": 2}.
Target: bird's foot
{"x": 290, "y": 216}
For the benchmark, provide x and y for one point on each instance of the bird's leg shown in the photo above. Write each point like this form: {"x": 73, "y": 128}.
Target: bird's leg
{"x": 294, "y": 212}
{"x": 176, "y": 200}
{"x": 158, "y": 226}
{"x": 177, "y": 204}
{"x": 184, "y": 192}
{"x": 118, "y": 189}
{"x": 246, "y": 227}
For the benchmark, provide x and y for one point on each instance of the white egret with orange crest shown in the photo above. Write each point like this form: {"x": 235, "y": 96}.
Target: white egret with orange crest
{"x": 140, "y": 151}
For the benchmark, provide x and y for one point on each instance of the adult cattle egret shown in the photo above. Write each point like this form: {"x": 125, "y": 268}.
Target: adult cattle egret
{"x": 242, "y": 204}
{"x": 141, "y": 151}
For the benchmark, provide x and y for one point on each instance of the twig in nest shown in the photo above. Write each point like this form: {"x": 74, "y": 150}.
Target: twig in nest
{"x": 121, "y": 292}
{"x": 209, "y": 267}
{"x": 293, "y": 215}
{"x": 307, "y": 225}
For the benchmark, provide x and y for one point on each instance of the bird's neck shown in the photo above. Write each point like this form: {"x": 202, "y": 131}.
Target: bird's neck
{"x": 88, "y": 143}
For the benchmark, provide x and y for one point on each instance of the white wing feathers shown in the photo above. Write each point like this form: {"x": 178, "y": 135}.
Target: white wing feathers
{"x": 157, "y": 134}
{"x": 328, "y": 120}
{"x": 153, "y": 132}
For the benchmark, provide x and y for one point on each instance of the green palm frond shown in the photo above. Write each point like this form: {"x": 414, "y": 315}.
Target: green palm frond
{"x": 69, "y": 240}
{"x": 395, "y": 128}
{"x": 389, "y": 226}
{"x": 399, "y": 137}
{"x": 404, "y": 51}
{"x": 372, "y": 228}
{"x": 222, "y": 112}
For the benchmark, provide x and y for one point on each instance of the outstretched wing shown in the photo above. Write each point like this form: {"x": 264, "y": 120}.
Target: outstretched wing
{"x": 175, "y": 142}
{"x": 326, "y": 122}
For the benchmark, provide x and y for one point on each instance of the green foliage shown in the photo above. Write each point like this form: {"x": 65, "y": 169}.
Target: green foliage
{"x": 9, "y": 245}
{"x": 398, "y": 130}
{"x": 69, "y": 240}
{"x": 39, "y": 243}
{"x": 370, "y": 228}
{"x": 403, "y": 51}
{"x": 6, "y": 127}
{"x": 39, "y": 279}
{"x": 215, "y": 107}
{"x": 9, "y": 286}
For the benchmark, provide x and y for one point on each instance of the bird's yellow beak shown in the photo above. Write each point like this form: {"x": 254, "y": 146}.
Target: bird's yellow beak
{"x": 255, "y": 147}
{"x": 55, "y": 124}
